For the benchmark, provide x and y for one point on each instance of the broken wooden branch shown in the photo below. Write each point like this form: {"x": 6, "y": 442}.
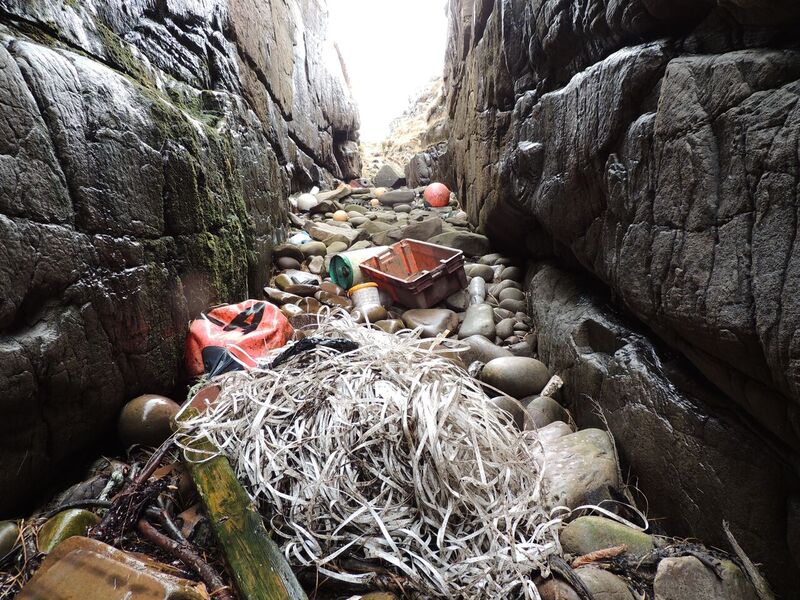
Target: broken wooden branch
{"x": 184, "y": 553}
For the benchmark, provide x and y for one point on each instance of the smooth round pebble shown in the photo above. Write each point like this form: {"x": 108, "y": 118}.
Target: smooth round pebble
{"x": 314, "y": 249}
{"x": 458, "y": 301}
{"x": 519, "y": 417}
{"x": 505, "y": 328}
{"x": 147, "y": 420}
{"x": 513, "y": 305}
{"x": 502, "y": 313}
{"x": 337, "y": 247}
{"x": 479, "y": 320}
{"x": 482, "y": 350}
{"x": 544, "y": 410}
{"x": 288, "y": 251}
{"x": 286, "y": 262}
{"x": 516, "y": 376}
{"x": 503, "y": 285}
{"x": 66, "y": 524}
{"x": 490, "y": 259}
{"x": 433, "y": 321}
{"x": 280, "y": 297}
{"x": 373, "y": 314}
{"x": 514, "y": 273}
{"x": 292, "y": 310}
{"x": 316, "y": 265}
{"x": 522, "y": 348}
{"x": 484, "y": 271}
{"x": 9, "y": 533}
{"x": 390, "y": 325}
{"x": 511, "y": 294}
{"x": 310, "y": 305}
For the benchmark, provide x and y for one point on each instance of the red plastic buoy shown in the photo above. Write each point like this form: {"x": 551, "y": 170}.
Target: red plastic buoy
{"x": 437, "y": 195}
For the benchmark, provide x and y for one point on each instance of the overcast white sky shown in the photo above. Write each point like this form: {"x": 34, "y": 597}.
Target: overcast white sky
{"x": 392, "y": 48}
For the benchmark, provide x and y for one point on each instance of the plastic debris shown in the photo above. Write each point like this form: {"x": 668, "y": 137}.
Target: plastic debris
{"x": 233, "y": 336}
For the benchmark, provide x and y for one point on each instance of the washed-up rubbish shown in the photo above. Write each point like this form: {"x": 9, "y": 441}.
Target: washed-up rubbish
{"x": 417, "y": 274}
{"x": 385, "y": 467}
{"x": 307, "y": 201}
{"x": 306, "y": 344}
{"x": 368, "y": 307}
{"x": 345, "y": 268}
{"x": 84, "y": 568}
{"x": 437, "y": 195}
{"x": 362, "y": 183}
{"x": 300, "y": 238}
{"x": 296, "y": 277}
{"x": 233, "y": 336}
{"x": 365, "y": 295}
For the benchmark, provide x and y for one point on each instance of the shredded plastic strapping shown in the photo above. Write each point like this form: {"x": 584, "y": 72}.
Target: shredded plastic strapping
{"x": 390, "y": 455}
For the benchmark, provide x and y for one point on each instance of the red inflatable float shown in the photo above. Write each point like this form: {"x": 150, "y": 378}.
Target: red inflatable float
{"x": 437, "y": 195}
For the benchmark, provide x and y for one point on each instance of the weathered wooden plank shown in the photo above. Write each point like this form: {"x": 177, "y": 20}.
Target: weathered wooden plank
{"x": 256, "y": 562}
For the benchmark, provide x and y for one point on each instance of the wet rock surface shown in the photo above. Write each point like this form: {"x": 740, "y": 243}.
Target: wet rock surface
{"x": 590, "y": 534}
{"x": 151, "y": 152}
{"x": 641, "y": 149}
{"x": 64, "y": 525}
{"x": 683, "y": 577}
{"x": 666, "y": 420}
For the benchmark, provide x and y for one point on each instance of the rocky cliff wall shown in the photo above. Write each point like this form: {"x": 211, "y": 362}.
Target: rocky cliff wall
{"x": 697, "y": 461}
{"x": 147, "y": 148}
{"x": 656, "y": 145}
{"x": 652, "y": 146}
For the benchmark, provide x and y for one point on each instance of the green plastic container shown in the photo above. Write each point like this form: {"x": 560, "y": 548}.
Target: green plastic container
{"x": 345, "y": 268}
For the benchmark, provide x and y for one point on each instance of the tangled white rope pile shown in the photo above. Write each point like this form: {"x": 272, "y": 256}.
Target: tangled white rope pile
{"x": 388, "y": 455}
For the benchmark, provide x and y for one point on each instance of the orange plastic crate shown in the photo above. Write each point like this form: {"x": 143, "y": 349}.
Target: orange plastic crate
{"x": 417, "y": 274}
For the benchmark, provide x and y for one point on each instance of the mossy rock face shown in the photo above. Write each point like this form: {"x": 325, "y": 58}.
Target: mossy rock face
{"x": 214, "y": 267}
{"x": 147, "y": 188}
{"x": 589, "y": 534}
{"x": 64, "y": 525}
{"x": 121, "y": 56}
